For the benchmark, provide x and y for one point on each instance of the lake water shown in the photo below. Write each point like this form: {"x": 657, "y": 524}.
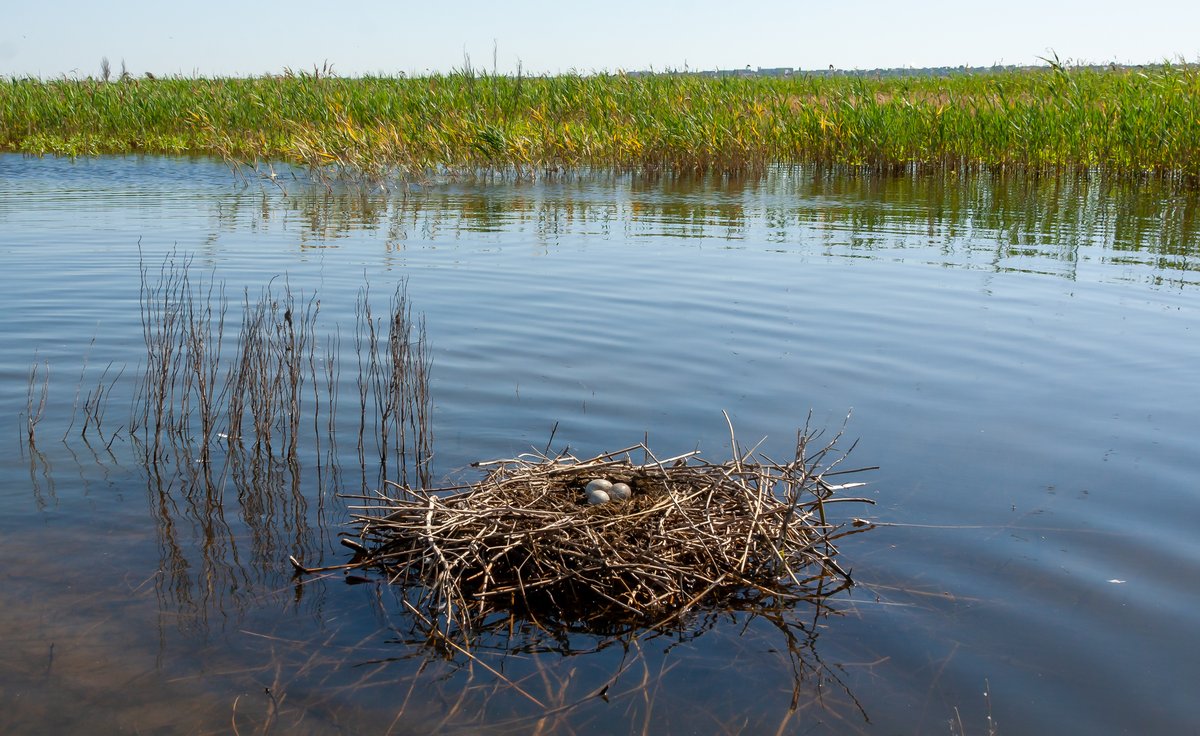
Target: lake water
{"x": 1019, "y": 356}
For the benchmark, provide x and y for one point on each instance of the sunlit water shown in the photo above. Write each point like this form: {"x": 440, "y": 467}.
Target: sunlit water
{"x": 1019, "y": 356}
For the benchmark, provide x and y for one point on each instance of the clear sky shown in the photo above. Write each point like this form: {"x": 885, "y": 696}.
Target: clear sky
{"x": 252, "y": 37}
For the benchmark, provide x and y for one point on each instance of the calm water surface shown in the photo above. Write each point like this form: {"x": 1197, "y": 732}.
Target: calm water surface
{"x": 1019, "y": 356}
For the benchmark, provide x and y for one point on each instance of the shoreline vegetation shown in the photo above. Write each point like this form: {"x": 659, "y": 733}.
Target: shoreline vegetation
{"x": 1129, "y": 122}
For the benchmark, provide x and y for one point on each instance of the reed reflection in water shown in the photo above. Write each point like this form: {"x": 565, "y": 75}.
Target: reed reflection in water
{"x": 251, "y": 417}
{"x": 1000, "y": 223}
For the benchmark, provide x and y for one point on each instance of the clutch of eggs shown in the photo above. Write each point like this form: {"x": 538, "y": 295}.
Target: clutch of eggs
{"x": 600, "y": 490}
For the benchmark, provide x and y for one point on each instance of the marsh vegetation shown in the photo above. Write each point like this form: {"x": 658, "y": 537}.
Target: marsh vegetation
{"x": 1131, "y": 122}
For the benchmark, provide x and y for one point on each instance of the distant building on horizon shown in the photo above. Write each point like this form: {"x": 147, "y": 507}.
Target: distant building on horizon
{"x": 929, "y": 71}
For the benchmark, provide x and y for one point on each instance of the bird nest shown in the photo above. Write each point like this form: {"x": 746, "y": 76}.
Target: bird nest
{"x": 525, "y": 538}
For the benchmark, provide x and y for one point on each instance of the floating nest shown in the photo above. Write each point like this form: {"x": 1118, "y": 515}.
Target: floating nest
{"x": 526, "y": 539}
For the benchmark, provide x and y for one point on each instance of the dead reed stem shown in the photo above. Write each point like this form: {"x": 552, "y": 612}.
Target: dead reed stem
{"x": 35, "y": 404}
{"x": 198, "y": 389}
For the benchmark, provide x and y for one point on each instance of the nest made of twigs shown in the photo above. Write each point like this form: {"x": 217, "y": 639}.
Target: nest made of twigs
{"x": 524, "y": 538}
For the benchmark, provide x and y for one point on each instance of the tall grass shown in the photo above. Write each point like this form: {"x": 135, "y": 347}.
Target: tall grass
{"x": 201, "y": 396}
{"x": 1127, "y": 121}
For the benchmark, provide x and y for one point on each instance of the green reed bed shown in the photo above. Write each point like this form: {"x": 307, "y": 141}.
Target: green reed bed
{"x": 1126, "y": 121}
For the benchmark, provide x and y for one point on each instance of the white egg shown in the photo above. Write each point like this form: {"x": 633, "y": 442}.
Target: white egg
{"x": 596, "y": 496}
{"x": 599, "y": 484}
{"x": 620, "y": 492}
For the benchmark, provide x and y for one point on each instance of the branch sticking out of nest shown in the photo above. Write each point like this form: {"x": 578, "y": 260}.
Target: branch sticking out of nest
{"x": 693, "y": 533}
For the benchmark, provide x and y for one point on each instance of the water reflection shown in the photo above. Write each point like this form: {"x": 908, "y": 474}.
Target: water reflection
{"x": 213, "y": 566}
{"x": 1001, "y": 223}
{"x": 971, "y": 323}
{"x": 236, "y": 435}
{"x": 764, "y": 673}
{"x": 236, "y": 440}
{"x": 760, "y": 672}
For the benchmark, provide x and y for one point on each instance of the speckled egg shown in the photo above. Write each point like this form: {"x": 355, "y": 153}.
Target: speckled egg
{"x": 597, "y": 496}
{"x": 620, "y": 492}
{"x": 599, "y": 484}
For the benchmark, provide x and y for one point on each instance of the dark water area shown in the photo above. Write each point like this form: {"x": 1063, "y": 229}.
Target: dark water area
{"x": 1019, "y": 357}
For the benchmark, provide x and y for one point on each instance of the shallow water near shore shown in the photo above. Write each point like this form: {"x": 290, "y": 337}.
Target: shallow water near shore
{"x": 1018, "y": 356}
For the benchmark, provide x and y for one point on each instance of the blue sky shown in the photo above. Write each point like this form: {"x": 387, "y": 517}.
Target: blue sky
{"x": 222, "y": 38}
